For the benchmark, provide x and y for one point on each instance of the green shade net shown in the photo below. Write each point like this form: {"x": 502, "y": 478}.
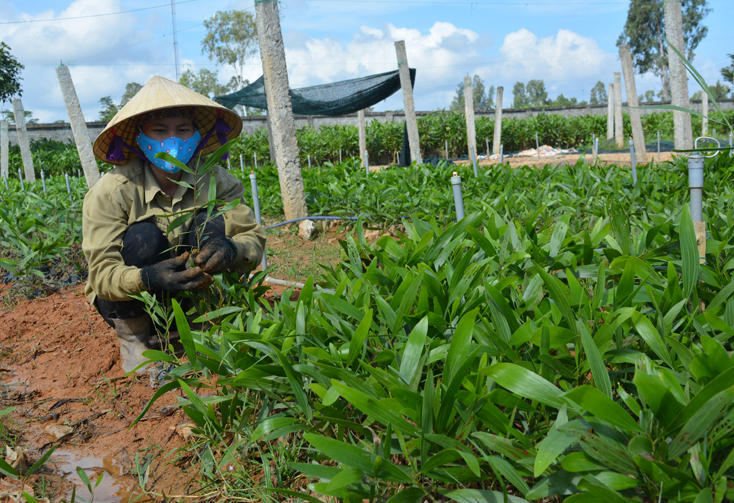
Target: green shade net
{"x": 338, "y": 98}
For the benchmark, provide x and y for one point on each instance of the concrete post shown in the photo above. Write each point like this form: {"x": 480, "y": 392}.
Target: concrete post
{"x": 610, "y": 112}
{"x": 4, "y": 146}
{"x": 408, "y": 103}
{"x": 618, "y": 124}
{"x": 497, "y": 122}
{"x": 682, "y": 129}
{"x": 629, "y": 81}
{"x": 271, "y": 146}
{"x": 25, "y": 148}
{"x": 471, "y": 132}
{"x": 705, "y": 112}
{"x": 362, "y": 137}
{"x": 280, "y": 109}
{"x": 78, "y": 126}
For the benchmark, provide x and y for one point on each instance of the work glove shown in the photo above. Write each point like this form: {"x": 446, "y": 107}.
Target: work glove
{"x": 173, "y": 276}
{"x": 217, "y": 256}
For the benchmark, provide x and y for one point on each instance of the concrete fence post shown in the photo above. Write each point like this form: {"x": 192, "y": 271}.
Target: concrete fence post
{"x": 678, "y": 79}
{"x": 78, "y": 126}
{"x": 25, "y": 147}
{"x": 4, "y": 146}
{"x": 705, "y": 112}
{"x": 471, "y": 132}
{"x": 408, "y": 102}
{"x": 497, "y": 122}
{"x": 618, "y": 122}
{"x": 629, "y": 80}
{"x": 280, "y": 109}
{"x": 362, "y": 137}
{"x": 610, "y": 112}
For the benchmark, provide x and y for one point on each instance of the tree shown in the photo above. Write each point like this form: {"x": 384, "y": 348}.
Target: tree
{"x": 482, "y": 100}
{"x": 109, "y": 109}
{"x": 9, "y": 74}
{"x": 230, "y": 40}
{"x": 204, "y": 82}
{"x": 720, "y": 92}
{"x": 648, "y": 96}
{"x": 9, "y": 117}
{"x": 519, "y": 96}
{"x": 728, "y": 71}
{"x": 562, "y": 101}
{"x": 131, "y": 89}
{"x": 598, "y": 94}
{"x": 644, "y": 32}
{"x": 537, "y": 95}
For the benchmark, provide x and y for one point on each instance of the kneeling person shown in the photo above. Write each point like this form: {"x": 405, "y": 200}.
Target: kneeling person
{"x": 127, "y": 213}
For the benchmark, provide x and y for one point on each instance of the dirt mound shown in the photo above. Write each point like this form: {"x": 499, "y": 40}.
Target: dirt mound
{"x": 60, "y": 366}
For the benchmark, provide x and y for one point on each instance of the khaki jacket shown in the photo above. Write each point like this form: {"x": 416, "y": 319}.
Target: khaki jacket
{"x": 129, "y": 194}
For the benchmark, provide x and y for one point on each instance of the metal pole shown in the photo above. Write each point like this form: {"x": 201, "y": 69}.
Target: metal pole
{"x": 242, "y": 164}
{"x": 367, "y": 161}
{"x": 20, "y": 177}
{"x": 502, "y": 153}
{"x": 229, "y": 165}
{"x": 488, "y": 154}
{"x": 309, "y": 162}
{"x": 593, "y": 144}
{"x": 695, "y": 183}
{"x": 731, "y": 143}
{"x": 68, "y": 186}
{"x": 474, "y": 160}
{"x": 340, "y": 155}
{"x": 256, "y": 208}
{"x": 255, "y": 160}
{"x": 43, "y": 181}
{"x": 447, "y": 150}
{"x": 596, "y": 150}
{"x": 537, "y": 145}
{"x": 632, "y": 162}
{"x": 458, "y": 196}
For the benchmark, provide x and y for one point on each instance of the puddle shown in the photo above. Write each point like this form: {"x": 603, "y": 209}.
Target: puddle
{"x": 116, "y": 486}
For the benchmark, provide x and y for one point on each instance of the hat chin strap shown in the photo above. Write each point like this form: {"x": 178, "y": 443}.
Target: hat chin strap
{"x": 115, "y": 153}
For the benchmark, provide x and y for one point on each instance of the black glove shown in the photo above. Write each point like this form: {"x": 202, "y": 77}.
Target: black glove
{"x": 217, "y": 256}
{"x": 172, "y": 275}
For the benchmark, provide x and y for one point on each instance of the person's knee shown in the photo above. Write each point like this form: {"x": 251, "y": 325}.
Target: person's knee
{"x": 144, "y": 244}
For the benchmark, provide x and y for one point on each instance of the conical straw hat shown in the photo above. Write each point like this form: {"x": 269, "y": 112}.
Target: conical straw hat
{"x": 157, "y": 94}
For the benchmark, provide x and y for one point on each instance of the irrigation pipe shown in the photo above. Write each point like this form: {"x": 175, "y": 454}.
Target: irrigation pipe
{"x": 287, "y": 222}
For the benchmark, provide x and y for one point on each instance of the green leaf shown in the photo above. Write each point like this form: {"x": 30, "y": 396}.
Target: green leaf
{"x": 508, "y": 472}
{"x": 659, "y": 398}
{"x": 184, "y": 332}
{"x": 38, "y": 464}
{"x": 722, "y": 382}
{"x": 343, "y": 479}
{"x": 356, "y": 458}
{"x": 410, "y": 495}
{"x": 603, "y": 407}
{"x": 478, "y": 496}
{"x": 650, "y": 335}
{"x": 525, "y": 383}
{"x": 438, "y": 460}
{"x": 596, "y": 362}
{"x": 690, "y": 261}
{"x": 556, "y": 292}
{"x": 550, "y": 448}
{"x": 270, "y": 424}
{"x": 357, "y": 343}
{"x": 375, "y": 409}
{"x": 459, "y": 348}
{"x": 413, "y": 351}
{"x": 702, "y": 422}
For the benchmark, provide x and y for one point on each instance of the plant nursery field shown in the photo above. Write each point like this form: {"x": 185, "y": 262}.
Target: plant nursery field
{"x": 562, "y": 342}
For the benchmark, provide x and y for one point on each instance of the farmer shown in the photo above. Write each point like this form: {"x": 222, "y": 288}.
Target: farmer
{"x": 127, "y": 213}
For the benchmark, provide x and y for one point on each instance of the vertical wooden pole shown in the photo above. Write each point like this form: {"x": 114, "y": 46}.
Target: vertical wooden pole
{"x": 682, "y": 129}
{"x": 629, "y": 80}
{"x": 4, "y": 146}
{"x": 408, "y": 102}
{"x": 497, "y": 122}
{"x": 610, "y": 112}
{"x": 78, "y": 126}
{"x": 618, "y": 123}
{"x": 25, "y": 147}
{"x": 705, "y": 112}
{"x": 362, "y": 137}
{"x": 471, "y": 132}
{"x": 280, "y": 109}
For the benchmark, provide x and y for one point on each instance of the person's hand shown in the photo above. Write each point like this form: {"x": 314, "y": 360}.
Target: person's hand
{"x": 173, "y": 276}
{"x": 217, "y": 256}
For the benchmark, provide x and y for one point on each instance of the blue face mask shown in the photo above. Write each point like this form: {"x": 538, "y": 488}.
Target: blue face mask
{"x": 183, "y": 150}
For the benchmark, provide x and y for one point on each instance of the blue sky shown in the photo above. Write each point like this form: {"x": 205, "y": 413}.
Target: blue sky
{"x": 568, "y": 44}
